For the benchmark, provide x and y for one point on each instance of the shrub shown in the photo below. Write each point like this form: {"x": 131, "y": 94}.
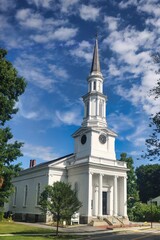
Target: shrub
{"x": 146, "y": 212}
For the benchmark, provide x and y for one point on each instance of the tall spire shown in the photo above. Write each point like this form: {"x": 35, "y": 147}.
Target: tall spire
{"x": 95, "y": 62}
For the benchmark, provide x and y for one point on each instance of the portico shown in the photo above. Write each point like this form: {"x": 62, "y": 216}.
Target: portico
{"x": 105, "y": 197}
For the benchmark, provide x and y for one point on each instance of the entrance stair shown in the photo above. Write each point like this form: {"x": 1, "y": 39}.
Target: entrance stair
{"x": 110, "y": 221}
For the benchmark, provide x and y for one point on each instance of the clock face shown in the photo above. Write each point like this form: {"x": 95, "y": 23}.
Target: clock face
{"x": 83, "y": 139}
{"x": 102, "y": 138}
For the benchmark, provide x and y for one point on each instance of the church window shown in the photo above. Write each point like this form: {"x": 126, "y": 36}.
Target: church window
{"x": 25, "y": 195}
{"x": 15, "y": 196}
{"x": 38, "y": 193}
{"x": 76, "y": 188}
{"x": 94, "y": 85}
{"x": 87, "y": 109}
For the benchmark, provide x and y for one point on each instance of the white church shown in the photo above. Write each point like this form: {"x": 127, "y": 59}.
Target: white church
{"x": 100, "y": 179}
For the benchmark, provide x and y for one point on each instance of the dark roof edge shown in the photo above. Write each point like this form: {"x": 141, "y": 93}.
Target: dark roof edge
{"x": 48, "y": 162}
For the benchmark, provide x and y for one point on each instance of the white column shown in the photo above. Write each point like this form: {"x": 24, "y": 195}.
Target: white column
{"x": 104, "y": 108}
{"x": 96, "y": 201}
{"x": 90, "y": 108}
{"x": 100, "y": 196}
{"x": 115, "y": 196}
{"x": 89, "y": 193}
{"x": 97, "y": 106}
{"x": 109, "y": 203}
{"x": 125, "y": 197}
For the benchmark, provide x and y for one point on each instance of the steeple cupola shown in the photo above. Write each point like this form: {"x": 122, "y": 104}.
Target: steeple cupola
{"x": 94, "y": 100}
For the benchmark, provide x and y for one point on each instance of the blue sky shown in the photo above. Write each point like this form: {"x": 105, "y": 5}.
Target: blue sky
{"x": 50, "y": 42}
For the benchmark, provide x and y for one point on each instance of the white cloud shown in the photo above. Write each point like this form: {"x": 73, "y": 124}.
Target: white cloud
{"x": 89, "y": 12}
{"x": 30, "y": 67}
{"x": 139, "y": 135}
{"x": 126, "y": 4}
{"x": 112, "y": 22}
{"x": 60, "y": 34}
{"x": 11, "y": 40}
{"x": 41, "y": 3}
{"x": 84, "y": 50}
{"x": 139, "y": 97}
{"x": 27, "y": 18}
{"x": 113, "y": 69}
{"x": 39, "y": 152}
{"x": 64, "y": 33}
{"x": 67, "y": 4}
{"x": 58, "y": 72}
{"x": 31, "y": 107}
{"x": 6, "y": 5}
{"x": 150, "y": 7}
{"x": 120, "y": 122}
{"x": 46, "y": 27}
{"x": 71, "y": 117}
{"x": 132, "y": 61}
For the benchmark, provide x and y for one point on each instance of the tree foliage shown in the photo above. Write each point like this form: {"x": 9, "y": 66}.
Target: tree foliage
{"x": 148, "y": 181}
{"x": 11, "y": 87}
{"x": 60, "y": 200}
{"x": 145, "y": 212}
{"x": 153, "y": 141}
{"x": 132, "y": 193}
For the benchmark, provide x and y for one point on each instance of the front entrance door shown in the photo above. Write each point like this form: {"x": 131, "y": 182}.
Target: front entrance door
{"x": 104, "y": 203}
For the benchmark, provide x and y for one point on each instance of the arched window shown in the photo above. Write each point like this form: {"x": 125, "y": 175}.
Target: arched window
{"x": 94, "y": 85}
{"x": 90, "y": 87}
{"x": 87, "y": 109}
{"x": 76, "y": 188}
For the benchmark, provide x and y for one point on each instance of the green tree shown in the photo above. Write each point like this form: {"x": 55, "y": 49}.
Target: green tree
{"x": 132, "y": 193}
{"x": 60, "y": 200}
{"x": 11, "y": 87}
{"x": 145, "y": 212}
{"x": 153, "y": 141}
{"x": 148, "y": 181}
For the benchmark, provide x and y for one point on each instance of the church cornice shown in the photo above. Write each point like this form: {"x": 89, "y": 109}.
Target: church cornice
{"x": 83, "y": 130}
{"x": 98, "y": 168}
{"x": 97, "y": 94}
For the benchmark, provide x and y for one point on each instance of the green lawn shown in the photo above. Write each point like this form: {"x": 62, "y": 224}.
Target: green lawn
{"x": 25, "y": 238}
{"x": 11, "y": 227}
{"x": 37, "y": 238}
{"x": 20, "y": 229}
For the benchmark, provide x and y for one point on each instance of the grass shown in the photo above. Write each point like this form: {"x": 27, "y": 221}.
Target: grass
{"x": 38, "y": 238}
{"x": 25, "y": 238}
{"x": 11, "y": 227}
{"x": 20, "y": 230}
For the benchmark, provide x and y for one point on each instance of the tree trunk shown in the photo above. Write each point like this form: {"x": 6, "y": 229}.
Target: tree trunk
{"x": 57, "y": 226}
{"x": 1, "y": 181}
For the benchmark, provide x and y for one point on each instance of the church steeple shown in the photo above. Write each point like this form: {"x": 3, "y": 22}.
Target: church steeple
{"x": 93, "y": 138}
{"x": 95, "y": 100}
{"x": 95, "y": 68}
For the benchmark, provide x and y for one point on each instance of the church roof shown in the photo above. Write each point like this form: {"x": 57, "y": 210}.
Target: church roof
{"x": 95, "y": 68}
{"x": 46, "y": 164}
{"x": 55, "y": 160}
